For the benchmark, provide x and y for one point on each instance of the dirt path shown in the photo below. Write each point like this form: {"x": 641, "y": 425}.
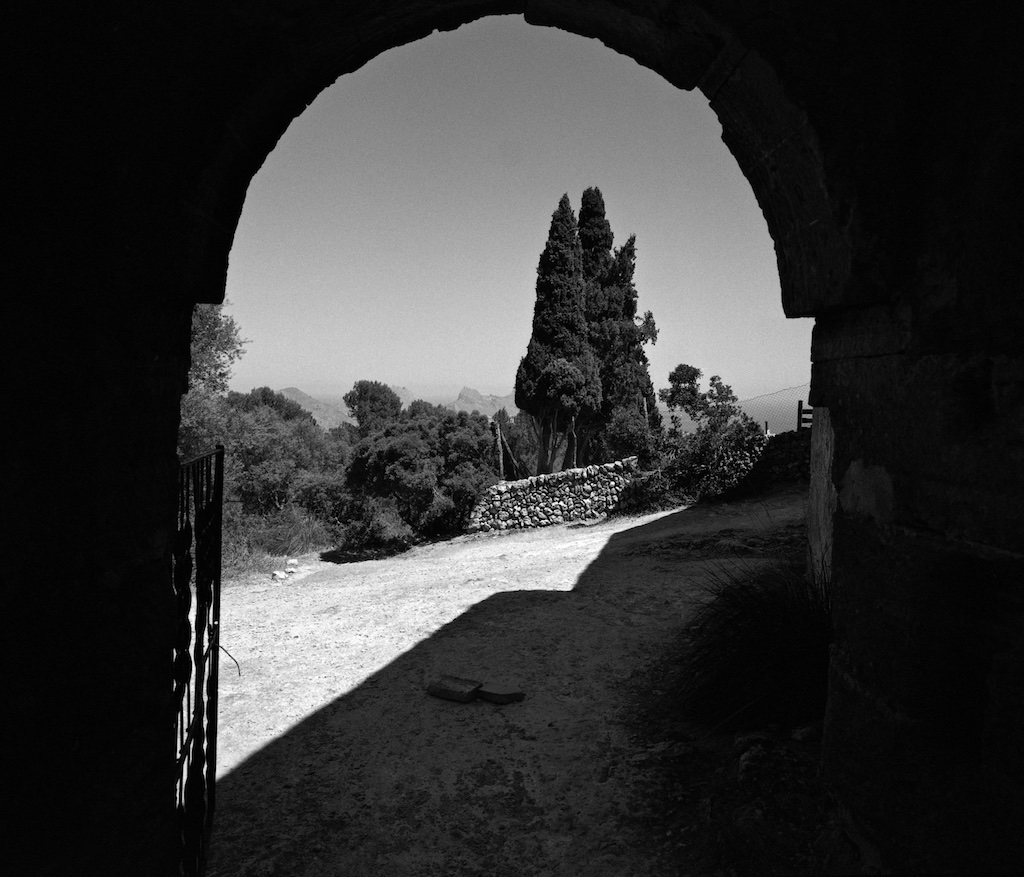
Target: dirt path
{"x": 334, "y": 760}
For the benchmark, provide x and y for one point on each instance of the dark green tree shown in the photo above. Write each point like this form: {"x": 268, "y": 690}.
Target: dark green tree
{"x": 216, "y": 344}
{"x": 617, "y": 337}
{"x": 272, "y": 457}
{"x": 373, "y": 405}
{"x": 520, "y": 444}
{"x": 264, "y": 397}
{"x": 725, "y": 444}
{"x": 585, "y": 366}
{"x": 558, "y": 381}
{"x": 418, "y": 477}
{"x": 683, "y": 395}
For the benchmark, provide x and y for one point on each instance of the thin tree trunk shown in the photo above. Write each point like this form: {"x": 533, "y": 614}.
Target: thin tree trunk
{"x": 545, "y": 457}
{"x": 570, "y": 453}
{"x": 499, "y": 450}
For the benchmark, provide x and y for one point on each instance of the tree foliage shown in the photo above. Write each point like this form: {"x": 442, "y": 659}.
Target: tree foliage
{"x": 373, "y": 405}
{"x": 216, "y": 345}
{"x": 558, "y": 380}
{"x": 617, "y": 336}
{"x": 418, "y": 477}
{"x": 725, "y": 444}
{"x": 585, "y": 359}
{"x": 276, "y": 455}
{"x": 397, "y": 478}
{"x": 520, "y": 443}
{"x": 264, "y": 397}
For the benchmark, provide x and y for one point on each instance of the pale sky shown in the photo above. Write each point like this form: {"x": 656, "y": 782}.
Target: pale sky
{"x": 394, "y": 232}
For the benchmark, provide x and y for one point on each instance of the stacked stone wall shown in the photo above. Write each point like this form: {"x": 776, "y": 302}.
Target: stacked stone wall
{"x": 786, "y": 457}
{"x": 570, "y": 495}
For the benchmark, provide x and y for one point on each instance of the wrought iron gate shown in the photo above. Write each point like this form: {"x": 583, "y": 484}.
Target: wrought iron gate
{"x": 196, "y": 643}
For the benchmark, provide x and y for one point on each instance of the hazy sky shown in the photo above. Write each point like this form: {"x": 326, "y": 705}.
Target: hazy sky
{"x": 394, "y": 232}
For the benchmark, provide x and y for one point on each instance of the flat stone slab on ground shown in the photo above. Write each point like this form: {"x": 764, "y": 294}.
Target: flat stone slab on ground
{"x": 498, "y": 692}
{"x": 454, "y": 688}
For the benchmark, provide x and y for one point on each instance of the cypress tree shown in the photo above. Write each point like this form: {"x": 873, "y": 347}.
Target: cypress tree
{"x": 613, "y": 331}
{"x": 559, "y": 379}
{"x": 585, "y": 365}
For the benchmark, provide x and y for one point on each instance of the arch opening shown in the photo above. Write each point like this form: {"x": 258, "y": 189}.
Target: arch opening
{"x": 404, "y": 212}
{"x": 889, "y": 181}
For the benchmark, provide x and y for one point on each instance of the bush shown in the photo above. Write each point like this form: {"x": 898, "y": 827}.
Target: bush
{"x": 758, "y": 650}
{"x": 239, "y": 556}
{"x": 713, "y": 459}
{"x": 291, "y": 531}
{"x": 323, "y": 493}
{"x": 418, "y": 477}
{"x": 629, "y": 434}
{"x": 648, "y": 492}
{"x": 375, "y": 528}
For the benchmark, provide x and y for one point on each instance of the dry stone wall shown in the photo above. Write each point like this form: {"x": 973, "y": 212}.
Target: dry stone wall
{"x": 570, "y": 495}
{"x": 786, "y": 457}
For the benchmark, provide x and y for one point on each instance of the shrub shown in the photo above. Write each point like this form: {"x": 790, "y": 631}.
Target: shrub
{"x": 323, "y": 493}
{"x": 293, "y": 530}
{"x": 714, "y": 458}
{"x": 239, "y": 556}
{"x": 375, "y": 527}
{"x": 629, "y": 434}
{"x": 418, "y": 477}
{"x": 758, "y": 650}
{"x": 648, "y": 492}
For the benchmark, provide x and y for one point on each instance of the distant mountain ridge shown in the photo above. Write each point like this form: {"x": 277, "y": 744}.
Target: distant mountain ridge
{"x": 330, "y": 414}
{"x": 777, "y": 409}
{"x": 471, "y": 400}
{"x": 326, "y": 414}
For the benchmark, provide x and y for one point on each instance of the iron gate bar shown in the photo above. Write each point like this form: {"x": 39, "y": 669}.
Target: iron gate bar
{"x": 196, "y": 582}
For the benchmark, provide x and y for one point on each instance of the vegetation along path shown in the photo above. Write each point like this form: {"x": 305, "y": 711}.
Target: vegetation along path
{"x": 333, "y": 759}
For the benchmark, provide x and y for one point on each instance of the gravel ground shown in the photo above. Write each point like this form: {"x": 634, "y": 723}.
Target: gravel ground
{"x": 333, "y": 759}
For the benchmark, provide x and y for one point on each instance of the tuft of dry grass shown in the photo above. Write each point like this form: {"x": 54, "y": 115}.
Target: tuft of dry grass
{"x": 735, "y": 714}
{"x": 757, "y": 650}
{"x": 255, "y": 544}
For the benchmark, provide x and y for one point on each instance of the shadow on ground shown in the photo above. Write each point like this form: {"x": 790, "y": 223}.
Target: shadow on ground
{"x": 387, "y": 780}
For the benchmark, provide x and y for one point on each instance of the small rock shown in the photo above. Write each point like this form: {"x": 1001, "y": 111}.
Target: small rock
{"x": 454, "y": 688}
{"x": 279, "y": 575}
{"x": 496, "y": 692}
{"x": 743, "y": 742}
{"x": 748, "y": 816}
{"x": 802, "y": 735}
{"x": 750, "y": 759}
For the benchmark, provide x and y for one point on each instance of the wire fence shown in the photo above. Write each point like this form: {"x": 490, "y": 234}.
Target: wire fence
{"x": 777, "y": 412}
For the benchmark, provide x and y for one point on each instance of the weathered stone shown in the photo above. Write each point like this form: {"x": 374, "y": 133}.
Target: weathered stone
{"x": 550, "y": 499}
{"x": 500, "y": 692}
{"x": 454, "y": 688}
{"x": 750, "y": 760}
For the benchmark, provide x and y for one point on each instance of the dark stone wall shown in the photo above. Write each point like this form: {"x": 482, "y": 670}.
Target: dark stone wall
{"x": 884, "y": 148}
{"x": 554, "y": 498}
{"x": 786, "y": 457}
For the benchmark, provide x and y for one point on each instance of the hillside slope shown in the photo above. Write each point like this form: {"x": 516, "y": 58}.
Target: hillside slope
{"x": 328, "y": 415}
{"x": 470, "y": 400}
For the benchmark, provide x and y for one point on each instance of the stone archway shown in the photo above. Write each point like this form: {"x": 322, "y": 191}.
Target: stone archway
{"x": 884, "y": 157}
